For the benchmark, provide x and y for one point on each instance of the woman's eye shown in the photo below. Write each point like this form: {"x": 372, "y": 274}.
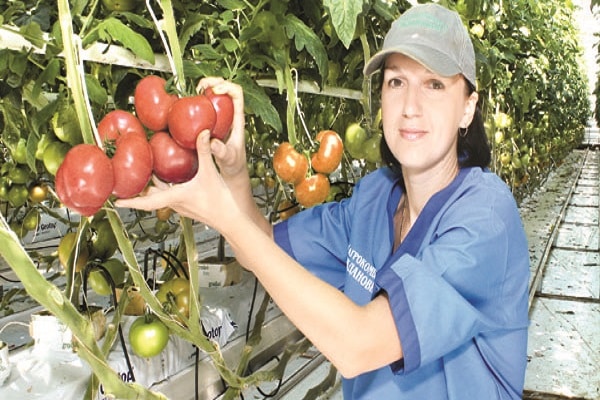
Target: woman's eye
{"x": 394, "y": 83}
{"x": 437, "y": 85}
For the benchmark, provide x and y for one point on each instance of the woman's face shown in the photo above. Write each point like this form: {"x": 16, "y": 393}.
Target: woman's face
{"x": 421, "y": 113}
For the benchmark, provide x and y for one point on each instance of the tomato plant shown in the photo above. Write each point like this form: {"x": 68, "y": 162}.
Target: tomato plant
{"x": 223, "y": 105}
{"x": 312, "y": 190}
{"x": 289, "y": 165}
{"x": 172, "y": 163}
{"x": 132, "y": 165}
{"x": 85, "y": 180}
{"x": 152, "y": 102}
{"x": 188, "y": 117}
{"x": 117, "y": 123}
{"x": 148, "y": 336}
{"x": 329, "y": 155}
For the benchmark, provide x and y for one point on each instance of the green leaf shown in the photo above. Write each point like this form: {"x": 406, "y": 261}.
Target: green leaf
{"x": 232, "y": 4}
{"x": 304, "y": 37}
{"x": 96, "y": 92}
{"x": 112, "y": 29}
{"x": 48, "y": 75}
{"x": 258, "y": 103}
{"x": 192, "y": 25}
{"x": 343, "y": 15}
{"x": 33, "y": 33}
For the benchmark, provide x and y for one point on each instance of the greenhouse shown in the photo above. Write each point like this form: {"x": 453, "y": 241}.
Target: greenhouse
{"x": 338, "y": 199}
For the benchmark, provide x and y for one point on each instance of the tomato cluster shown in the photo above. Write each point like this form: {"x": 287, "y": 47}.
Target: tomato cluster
{"x": 88, "y": 176}
{"x": 310, "y": 180}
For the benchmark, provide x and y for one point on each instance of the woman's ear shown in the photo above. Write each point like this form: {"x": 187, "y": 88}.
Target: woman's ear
{"x": 470, "y": 107}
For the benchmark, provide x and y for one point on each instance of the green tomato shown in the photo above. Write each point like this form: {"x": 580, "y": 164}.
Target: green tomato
{"x": 31, "y": 220}
{"x": 98, "y": 282}
{"x": 20, "y": 153}
{"x": 354, "y": 140}
{"x": 103, "y": 243}
{"x": 372, "y": 149}
{"x": 53, "y": 156}
{"x": 17, "y": 195}
{"x": 19, "y": 174}
{"x": 148, "y": 336}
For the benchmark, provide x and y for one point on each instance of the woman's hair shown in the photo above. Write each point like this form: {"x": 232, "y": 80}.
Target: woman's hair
{"x": 473, "y": 148}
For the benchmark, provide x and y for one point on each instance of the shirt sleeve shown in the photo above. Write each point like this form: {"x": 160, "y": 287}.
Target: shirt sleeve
{"x": 318, "y": 239}
{"x": 469, "y": 280}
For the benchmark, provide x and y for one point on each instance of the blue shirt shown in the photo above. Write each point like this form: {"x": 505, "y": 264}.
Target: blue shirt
{"x": 457, "y": 285}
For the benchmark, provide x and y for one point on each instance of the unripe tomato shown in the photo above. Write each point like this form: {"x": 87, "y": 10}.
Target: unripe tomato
{"x": 179, "y": 289}
{"x": 329, "y": 155}
{"x": 17, "y": 195}
{"x": 148, "y": 336}
{"x": 103, "y": 243}
{"x": 188, "y": 117}
{"x": 223, "y": 105}
{"x": 289, "y": 165}
{"x": 98, "y": 282}
{"x": 312, "y": 190}
{"x": 153, "y": 102}
{"x": 38, "y": 193}
{"x": 372, "y": 149}
{"x": 66, "y": 247}
{"x": 53, "y": 155}
{"x": 164, "y": 213}
{"x": 20, "y": 153}
{"x": 354, "y": 139}
{"x": 31, "y": 220}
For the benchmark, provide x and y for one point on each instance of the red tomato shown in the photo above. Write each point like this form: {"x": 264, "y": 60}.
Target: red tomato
{"x": 117, "y": 123}
{"x": 289, "y": 165}
{"x": 329, "y": 155}
{"x": 84, "y": 181}
{"x": 223, "y": 105}
{"x": 312, "y": 190}
{"x": 172, "y": 163}
{"x": 188, "y": 117}
{"x": 152, "y": 102}
{"x": 132, "y": 165}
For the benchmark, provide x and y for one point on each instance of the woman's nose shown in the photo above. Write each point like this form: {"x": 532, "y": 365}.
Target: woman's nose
{"x": 412, "y": 101}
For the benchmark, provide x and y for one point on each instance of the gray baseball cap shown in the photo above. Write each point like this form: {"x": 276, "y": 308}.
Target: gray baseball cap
{"x": 432, "y": 35}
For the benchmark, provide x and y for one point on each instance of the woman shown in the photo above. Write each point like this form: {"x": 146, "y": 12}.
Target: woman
{"x": 416, "y": 286}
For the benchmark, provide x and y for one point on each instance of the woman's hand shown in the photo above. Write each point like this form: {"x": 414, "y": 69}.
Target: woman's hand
{"x": 231, "y": 154}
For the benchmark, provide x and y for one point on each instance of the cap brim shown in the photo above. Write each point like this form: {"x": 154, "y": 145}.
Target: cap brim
{"x": 426, "y": 56}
